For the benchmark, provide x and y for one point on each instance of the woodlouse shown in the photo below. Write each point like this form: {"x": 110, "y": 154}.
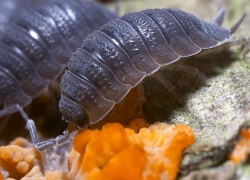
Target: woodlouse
{"x": 12, "y": 9}
{"x": 120, "y": 55}
{"x": 117, "y": 57}
{"x": 34, "y": 50}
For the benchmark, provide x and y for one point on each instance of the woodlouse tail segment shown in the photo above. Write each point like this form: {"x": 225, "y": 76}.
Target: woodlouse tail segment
{"x": 237, "y": 24}
{"x": 220, "y": 17}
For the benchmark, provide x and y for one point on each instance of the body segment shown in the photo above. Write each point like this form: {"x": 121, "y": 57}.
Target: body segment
{"x": 34, "y": 49}
{"x": 128, "y": 49}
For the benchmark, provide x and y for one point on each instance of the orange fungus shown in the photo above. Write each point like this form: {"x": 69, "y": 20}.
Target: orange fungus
{"x": 119, "y": 153}
{"x": 242, "y": 148}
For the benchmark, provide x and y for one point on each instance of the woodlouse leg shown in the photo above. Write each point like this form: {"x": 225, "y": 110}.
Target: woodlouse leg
{"x": 141, "y": 97}
{"x": 246, "y": 49}
{"x": 220, "y": 17}
{"x": 67, "y": 136}
{"x": 237, "y": 42}
{"x": 30, "y": 123}
{"x": 12, "y": 109}
{"x": 224, "y": 46}
{"x": 171, "y": 89}
{"x": 4, "y": 120}
{"x": 189, "y": 70}
{"x": 112, "y": 113}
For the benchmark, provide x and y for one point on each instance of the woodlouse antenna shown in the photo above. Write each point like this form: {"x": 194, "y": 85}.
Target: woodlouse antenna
{"x": 236, "y": 25}
{"x": 220, "y": 16}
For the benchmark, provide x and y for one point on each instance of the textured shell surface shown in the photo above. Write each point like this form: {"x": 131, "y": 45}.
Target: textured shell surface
{"x": 35, "y": 48}
{"x": 124, "y": 51}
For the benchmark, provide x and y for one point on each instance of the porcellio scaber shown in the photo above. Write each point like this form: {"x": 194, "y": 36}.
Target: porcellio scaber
{"x": 124, "y": 51}
{"x": 11, "y": 9}
{"x": 34, "y": 50}
{"x": 120, "y": 55}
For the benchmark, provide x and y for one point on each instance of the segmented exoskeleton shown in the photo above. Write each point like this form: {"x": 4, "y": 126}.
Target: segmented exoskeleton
{"x": 34, "y": 50}
{"x": 11, "y": 10}
{"x": 124, "y": 51}
{"x": 120, "y": 55}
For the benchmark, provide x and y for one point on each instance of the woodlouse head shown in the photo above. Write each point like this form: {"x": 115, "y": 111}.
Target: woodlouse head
{"x": 78, "y": 115}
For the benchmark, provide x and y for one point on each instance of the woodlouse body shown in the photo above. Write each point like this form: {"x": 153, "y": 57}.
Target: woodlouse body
{"x": 34, "y": 50}
{"x": 10, "y": 10}
{"x": 117, "y": 57}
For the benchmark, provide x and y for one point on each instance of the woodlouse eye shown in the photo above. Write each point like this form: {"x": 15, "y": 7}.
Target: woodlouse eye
{"x": 82, "y": 123}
